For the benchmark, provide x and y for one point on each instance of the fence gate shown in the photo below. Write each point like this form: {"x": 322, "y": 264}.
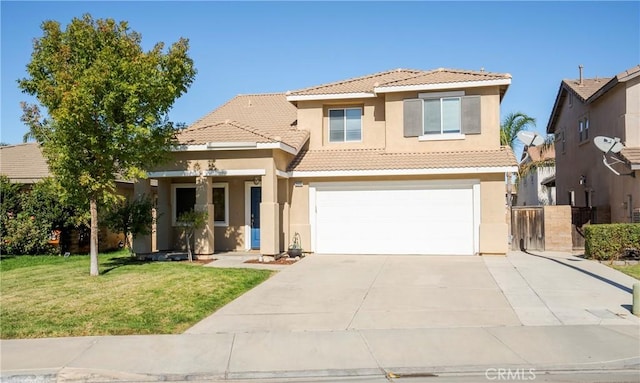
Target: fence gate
{"x": 527, "y": 227}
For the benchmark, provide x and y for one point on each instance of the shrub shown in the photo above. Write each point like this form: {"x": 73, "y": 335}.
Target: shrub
{"x": 609, "y": 242}
{"x": 25, "y": 235}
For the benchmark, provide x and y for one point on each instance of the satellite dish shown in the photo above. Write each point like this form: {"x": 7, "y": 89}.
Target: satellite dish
{"x": 611, "y": 146}
{"x": 530, "y": 138}
{"x": 607, "y": 144}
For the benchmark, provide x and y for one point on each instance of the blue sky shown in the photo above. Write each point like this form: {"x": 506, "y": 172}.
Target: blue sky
{"x": 259, "y": 47}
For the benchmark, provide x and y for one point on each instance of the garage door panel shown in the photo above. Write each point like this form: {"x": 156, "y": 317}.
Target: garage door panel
{"x": 394, "y": 221}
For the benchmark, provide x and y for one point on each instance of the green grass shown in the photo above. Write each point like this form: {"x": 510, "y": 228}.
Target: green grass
{"x": 633, "y": 271}
{"x": 51, "y": 296}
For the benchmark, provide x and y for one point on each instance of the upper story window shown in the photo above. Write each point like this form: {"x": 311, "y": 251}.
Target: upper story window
{"x": 442, "y": 115}
{"x": 345, "y": 124}
{"x": 583, "y": 129}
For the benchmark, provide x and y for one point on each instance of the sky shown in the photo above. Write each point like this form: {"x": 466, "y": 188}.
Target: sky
{"x": 261, "y": 47}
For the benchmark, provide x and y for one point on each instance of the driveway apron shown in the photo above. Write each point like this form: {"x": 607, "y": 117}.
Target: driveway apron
{"x": 368, "y": 292}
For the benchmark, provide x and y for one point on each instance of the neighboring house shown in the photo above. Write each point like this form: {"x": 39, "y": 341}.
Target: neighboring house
{"x": 590, "y": 107}
{"x": 536, "y": 184}
{"x": 24, "y": 164}
{"x": 398, "y": 162}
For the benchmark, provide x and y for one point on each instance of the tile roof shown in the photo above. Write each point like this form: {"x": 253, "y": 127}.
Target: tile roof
{"x": 255, "y": 117}
{"x": 378, "y": 159}
{"x": 588, "y": 88}
{"x": 364, "y": 84}
{"x": 536, "y": 153}
{"x": 399, "y": 77}
{"x": 23, "y": 163}
{"x": 443, "y": 75}
{"x": 632, "y": 155}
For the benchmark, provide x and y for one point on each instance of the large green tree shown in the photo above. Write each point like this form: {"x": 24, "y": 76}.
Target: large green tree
{"x": 107, "y": 102}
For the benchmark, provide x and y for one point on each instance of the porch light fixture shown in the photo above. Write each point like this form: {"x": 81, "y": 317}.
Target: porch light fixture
{"x": 256, "y": 180}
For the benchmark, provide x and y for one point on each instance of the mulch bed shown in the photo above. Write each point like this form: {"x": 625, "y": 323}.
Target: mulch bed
{"x": 281, "y": 261}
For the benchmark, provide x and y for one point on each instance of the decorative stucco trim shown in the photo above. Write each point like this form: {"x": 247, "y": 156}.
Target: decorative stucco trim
{"x": 207, "y": 173}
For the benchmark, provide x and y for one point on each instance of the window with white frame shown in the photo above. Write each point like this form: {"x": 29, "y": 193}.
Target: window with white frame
{"x": 184, "y": 200}
{"x": 345, "y": 124}
{"x": 583, "y": 129}
{"x": 442, "y": 115}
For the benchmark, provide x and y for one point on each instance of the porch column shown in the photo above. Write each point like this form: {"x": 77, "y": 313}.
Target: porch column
{"x": 164, "y": 232}
{"x": 269, "y": 215}
{"x": 142, "y": 243}
{"x": 204, "y": 240}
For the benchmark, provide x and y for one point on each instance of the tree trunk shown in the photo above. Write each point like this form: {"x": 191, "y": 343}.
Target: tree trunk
{"x": 189, "y": 248}
{"x": 93, "y": 206}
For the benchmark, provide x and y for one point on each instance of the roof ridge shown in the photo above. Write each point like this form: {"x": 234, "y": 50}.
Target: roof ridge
{"x": 20, "y": 144}
{"x": 250, "y": 129}
{"x": 261, "y": 94}
{"x": 377, "y": 74}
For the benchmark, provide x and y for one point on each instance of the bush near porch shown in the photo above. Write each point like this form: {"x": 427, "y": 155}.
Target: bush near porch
{"x": 610, "y": 241}
{"x": 54, "y": 296}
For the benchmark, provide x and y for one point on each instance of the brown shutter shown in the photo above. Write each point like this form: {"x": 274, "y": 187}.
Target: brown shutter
{"x": 471, "y": 117}
{"x": 412, "y": 116}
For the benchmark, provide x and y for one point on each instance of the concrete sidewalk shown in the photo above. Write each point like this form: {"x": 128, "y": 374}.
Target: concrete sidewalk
{"x": 374, "y": 317}
{"x": 374, "y": 353}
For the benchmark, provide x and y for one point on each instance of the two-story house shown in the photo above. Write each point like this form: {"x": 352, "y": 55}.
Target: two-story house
{"x": 585, "y": 108}
{"x": 536, "y": 182}
{"x": 398, "y": 162}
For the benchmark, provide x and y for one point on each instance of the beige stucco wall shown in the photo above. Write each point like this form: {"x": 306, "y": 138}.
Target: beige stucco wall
{"x": 382, "y": 124}
{"x": 614, "y": 114}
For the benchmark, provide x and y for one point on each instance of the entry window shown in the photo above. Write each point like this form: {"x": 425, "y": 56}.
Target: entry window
{"x": 185, "y": 200}
{"x": 442, "y": 115}
{"x": 184, "y": 197}
{"x": 345, "y": 125}
{"x": 221, "y": 204}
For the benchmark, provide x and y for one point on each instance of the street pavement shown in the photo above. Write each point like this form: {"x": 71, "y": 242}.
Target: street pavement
{"x": 536, "y": 316}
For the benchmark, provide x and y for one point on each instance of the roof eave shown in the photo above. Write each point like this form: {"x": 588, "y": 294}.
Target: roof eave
{"x": 329, "y": 96}
{"x": 440, "y": 86}
{"x": 395, "y": 172}
{"x": 228, "y": 146}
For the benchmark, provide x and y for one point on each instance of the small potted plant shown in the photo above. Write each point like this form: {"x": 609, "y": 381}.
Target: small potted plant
{"x": 295, "y": 249}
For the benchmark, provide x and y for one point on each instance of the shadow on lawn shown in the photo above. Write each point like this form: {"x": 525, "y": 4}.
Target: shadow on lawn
{"x": 114, "y": 263}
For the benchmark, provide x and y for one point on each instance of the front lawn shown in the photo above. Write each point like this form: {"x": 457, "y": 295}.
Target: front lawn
{"x": 51, "y": 296}
{"x": 632, "y": 270}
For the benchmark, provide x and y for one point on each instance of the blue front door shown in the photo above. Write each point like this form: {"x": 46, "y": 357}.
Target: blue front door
{"x": 256, "y": 197}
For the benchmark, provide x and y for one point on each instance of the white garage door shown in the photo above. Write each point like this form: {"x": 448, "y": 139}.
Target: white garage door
{"x": 393, "y": 218}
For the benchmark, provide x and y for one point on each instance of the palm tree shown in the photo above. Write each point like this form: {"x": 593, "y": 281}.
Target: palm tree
{"x": 511, "y": 125}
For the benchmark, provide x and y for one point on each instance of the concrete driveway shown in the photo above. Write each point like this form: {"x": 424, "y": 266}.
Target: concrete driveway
{"x": 364, "y": 292}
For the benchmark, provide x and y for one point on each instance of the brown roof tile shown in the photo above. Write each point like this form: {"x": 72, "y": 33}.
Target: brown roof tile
{"x": 377, "y": 159}
{"x": 537, "y": 153}
{"x": 23, "y": 163}
{"x": 399, "y": 77}
{"x": 443, "y": 75}
{"x": 256, "y": 117}
{"x": 588, "y": 88}
{"x": 364, "y": 84}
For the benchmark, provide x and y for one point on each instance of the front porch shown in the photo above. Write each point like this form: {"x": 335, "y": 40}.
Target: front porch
{"x": 245, "y": 210}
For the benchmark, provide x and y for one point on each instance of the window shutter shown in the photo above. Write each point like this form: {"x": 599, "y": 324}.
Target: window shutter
{"x": 471, "y": 118}
{"x": 412, "y": 116}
